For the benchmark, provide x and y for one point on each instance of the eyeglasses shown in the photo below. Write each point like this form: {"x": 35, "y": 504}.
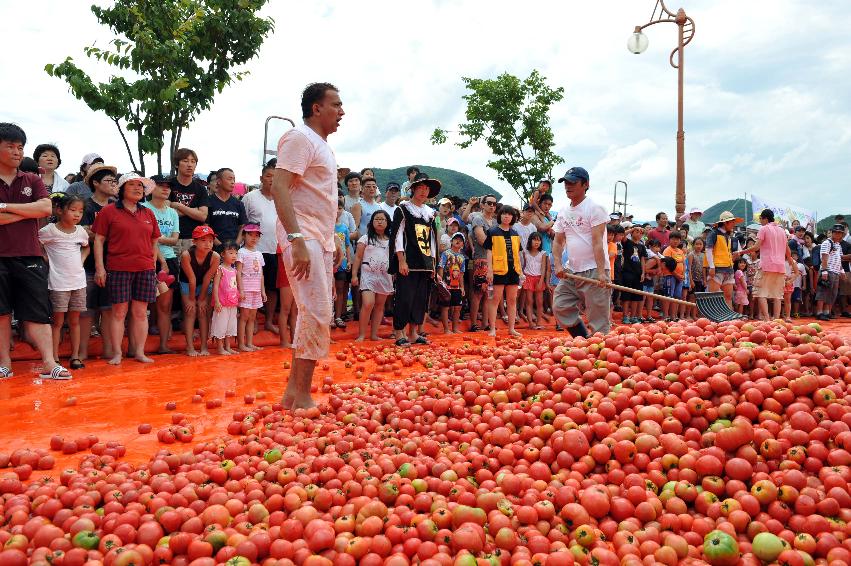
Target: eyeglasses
{"x": 490, "y": 203}
{"x": 109, "y": 180}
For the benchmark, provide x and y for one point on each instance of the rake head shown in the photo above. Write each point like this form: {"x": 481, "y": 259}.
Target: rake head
{"x": 714, "y": 307}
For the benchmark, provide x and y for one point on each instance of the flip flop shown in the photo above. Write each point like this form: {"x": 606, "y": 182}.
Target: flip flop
{"x": 5, "y": 372}
{"x": 77, "y": 363}
{"x": 421, "y": 340}
{"x": 56, "y": 374}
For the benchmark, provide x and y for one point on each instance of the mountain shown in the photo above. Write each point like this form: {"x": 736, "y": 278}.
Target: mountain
{"x": 825, "y": 223}
{"x": 454, "y": 182}
{"x": 739, "y": 207}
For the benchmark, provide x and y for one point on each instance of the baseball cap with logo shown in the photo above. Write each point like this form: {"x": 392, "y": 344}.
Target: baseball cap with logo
{"x": 838, "y": 228}
{"x": 575, "y": 174}
{"x": 202, "y": 232}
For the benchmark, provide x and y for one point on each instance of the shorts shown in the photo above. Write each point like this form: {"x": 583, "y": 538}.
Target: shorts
{"x": 455, "y": 299}
{"x": 64, "y": 301}
{"x": 270, "y": 272}
{"x": 23, "y": 289}
{"x": 531, "y": 283}
{"x": 510, "y": 278}
{"x": 480, "y": 275}
{"x": 224, "y": 323}
{"x": 828, "y": 293}
{"x": 796, "y": 295}
{"x": 253, "y": 300}
{"x": 173, "y": 265}
{"x": 673, "y": 286}
{"x": 633, "y": 281}
{"x": 343, "y": 275}
{"x": 724, "y": 276}
{"x": 698, "y": 287}
{"x": 97, "y": 297}
{"x": 771, "y": 285}
{"x": 282, "y": 280}
{"x": 313, "y": 299}
{"x": 184, "y": 289}
{"x": 845, "y": 284}
{"x": 126, "y": 286}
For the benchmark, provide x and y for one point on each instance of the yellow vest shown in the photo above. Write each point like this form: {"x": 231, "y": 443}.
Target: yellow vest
{"x": 499, "y": 253}
{"x": 721, "y": 255}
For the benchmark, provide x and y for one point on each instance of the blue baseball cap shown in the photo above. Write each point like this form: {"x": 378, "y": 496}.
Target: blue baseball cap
{"x": 575, "y": 174}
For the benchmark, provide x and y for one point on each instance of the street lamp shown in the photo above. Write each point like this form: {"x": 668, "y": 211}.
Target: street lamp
{"x": 637, "y": 43}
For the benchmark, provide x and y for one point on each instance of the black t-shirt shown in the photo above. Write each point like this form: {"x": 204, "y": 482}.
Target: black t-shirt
{"x": 846, "y": 249}
{"x": 193, "y": 195}
{"x": 225, "y": 217}
{"x": 497, "y": 232}
{"x": 90, "y": 211}
{"x": 632, "y": 254}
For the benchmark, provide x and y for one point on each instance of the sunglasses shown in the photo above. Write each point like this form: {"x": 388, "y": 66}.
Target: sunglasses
{"x": 490, "y": 203}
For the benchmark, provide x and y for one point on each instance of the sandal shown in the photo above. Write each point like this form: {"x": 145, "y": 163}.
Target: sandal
{"x": 77, "y": 363}
{"x": 474, "y": 328}
{"x": 340, "y": 323}
{"x": 56, "y": 374}
{"x": 421, "y": 340}
{"x": 402, "y": 342}
{"x": 6, "y": 373}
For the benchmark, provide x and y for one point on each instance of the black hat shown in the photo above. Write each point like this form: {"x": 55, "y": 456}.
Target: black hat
{"x": 392, "y": 186}
{"x": 433, "y": 185}
{"x": 838, "y": 228}
{"x": 159, "y": 179}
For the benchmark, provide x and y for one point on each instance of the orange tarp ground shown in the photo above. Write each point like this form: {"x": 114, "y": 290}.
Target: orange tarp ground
{"x": 112, "y": 401}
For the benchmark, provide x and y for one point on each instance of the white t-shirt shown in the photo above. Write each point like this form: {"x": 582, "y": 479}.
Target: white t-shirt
{"x": 524, "y": 232}
{"x": 261, "y": 210}
{"x": 532, "y": 263}
{"x": 63, "y": 252}
{"x": 577, "y": 224}
{"x": 314, "y": 195}
{"x": 388, "y": 208}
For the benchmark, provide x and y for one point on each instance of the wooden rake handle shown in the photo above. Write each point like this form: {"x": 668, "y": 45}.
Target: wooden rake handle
{"x": 623, "y": 289}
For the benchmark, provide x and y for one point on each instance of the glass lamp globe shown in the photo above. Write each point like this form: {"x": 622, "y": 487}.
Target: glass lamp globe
{"x": 637, "y": 43}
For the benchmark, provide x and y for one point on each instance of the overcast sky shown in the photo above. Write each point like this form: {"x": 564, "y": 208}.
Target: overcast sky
{"x": 767, "y": 105}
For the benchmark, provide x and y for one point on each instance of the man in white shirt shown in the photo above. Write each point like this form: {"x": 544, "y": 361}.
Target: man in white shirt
{"x": 392, "y": 193}
{"x": 260, "y": 210}
{"x": 581, "y": 227}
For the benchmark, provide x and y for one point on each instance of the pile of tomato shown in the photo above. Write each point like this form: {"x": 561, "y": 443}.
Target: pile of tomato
{"x": 697, "y": 443}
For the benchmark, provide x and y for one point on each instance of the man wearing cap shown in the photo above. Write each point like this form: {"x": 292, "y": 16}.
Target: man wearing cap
{"x": 719, "y": 255}
{"x": 305, "y": 192}
{"x": 413, "y": 259}
{"x": 392, "y": 193}
{"x": 102, "y": 181}
{"x": 80, "y": 187}
{"x": 774, "y": 254}
{"x": 23, "y": 271}
{"x": 581, "y": 227}
{"x": 260, "y": 210}
{"x": 132, "y": 233}
{"x": 831, "y": 270}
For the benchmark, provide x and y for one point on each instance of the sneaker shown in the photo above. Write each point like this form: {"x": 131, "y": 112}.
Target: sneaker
{"x": 822, "y": 316}
{"x": 627, "y": 320}
{"x": 846, "y": 314}
{"x": 648, "y": 319}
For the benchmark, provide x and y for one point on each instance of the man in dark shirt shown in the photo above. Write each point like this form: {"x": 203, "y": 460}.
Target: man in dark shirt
{"x": 102, "y": 181}
{"x": 188, "y": 197}
{"x": 23, "y": 271}
{"x": 225, "y": 213}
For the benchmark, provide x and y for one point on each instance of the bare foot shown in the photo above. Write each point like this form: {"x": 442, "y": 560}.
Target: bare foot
{"x": 287, "y": 403}
{"x": 286, "y": 345}
{"x": 107, "y": 356}
{"x": 375, "y": 338}
{"x": 142, "y": 358}
{"x": 116, "y": 360}
{"x": 359, "y": 339}
{"x": 204, "y": 352}
{"x": 223, "y": 352}
{"x": 164, "y": 350}
{"x": 514, "y": 333}
{"x": 191, "y": 353}
{"x": 304, "y": 403}
{"x": 231, "y": 350}
{"x": 273, "y": 328}
{"x": 492, "y": 333}
{"x": 245, "y": 348}
{"x": 254, "y": 348}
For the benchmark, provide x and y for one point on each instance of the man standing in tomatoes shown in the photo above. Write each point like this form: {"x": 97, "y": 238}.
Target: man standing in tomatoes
{"x": 305, "y": 193}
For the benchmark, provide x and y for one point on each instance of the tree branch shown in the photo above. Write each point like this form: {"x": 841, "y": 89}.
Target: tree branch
{"x": 126, "y": 143}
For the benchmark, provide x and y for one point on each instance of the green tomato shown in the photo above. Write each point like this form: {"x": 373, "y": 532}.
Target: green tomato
{"x": 767, "y": 547}
{"x": 272, "y": 455}
{"x": 87, "y": 540}
{"x": 720, "y": 549}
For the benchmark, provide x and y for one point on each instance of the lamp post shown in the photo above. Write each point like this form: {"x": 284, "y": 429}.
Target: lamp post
{"x": 637, "y": 43}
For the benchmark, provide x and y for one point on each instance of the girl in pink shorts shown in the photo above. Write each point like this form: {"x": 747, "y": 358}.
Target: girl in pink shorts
{"x": 252, "y": 294}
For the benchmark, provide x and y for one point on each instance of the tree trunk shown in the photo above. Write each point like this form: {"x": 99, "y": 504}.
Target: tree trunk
{"x": 126, "y": 143}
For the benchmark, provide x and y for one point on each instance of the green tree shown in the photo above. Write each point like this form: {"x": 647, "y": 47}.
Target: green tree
{"x": 169, "y": 58}
{"x": 512, "y": 117}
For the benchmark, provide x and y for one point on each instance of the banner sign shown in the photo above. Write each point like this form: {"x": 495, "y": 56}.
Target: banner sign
{"x": 784, "y": 214}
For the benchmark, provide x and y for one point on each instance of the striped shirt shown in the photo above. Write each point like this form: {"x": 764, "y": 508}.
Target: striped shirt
{"x": 834, "y": 255}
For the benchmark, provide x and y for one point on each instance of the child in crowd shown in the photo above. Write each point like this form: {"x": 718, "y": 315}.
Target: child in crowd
{"x": 740, "y": 285}
{"x": 652, "y": 271}
{"x": 286, "y": 300}
{"x": 788, "y": 288}
{"x": 807, "y": 288}
{"x": 674, "y": 276}
{"x": 535, "y": 266}
{"x": 632, "y": 274}
{"x": 343, "y": 272}
{"x": 370, "y": 274}
{"x": 252, "y": 288}
{"x": 66, "y": 278}
{"x": 198, "y": 264}
{"x": 697, "y": 275}
{"x": 797, "y": 286}
{"x": 226, "y": 298}
{"x": 451, "y": 271}
{"x": 504, "y": 270}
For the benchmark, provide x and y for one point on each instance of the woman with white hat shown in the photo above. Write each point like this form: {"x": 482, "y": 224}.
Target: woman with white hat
{"x": 132, "y": 234}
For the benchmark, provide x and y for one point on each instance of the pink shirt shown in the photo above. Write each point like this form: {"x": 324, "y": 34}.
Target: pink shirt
{"x": 772, "y": 248}
{"x": 314, "y": 194}
{"x": 228, "y": 290}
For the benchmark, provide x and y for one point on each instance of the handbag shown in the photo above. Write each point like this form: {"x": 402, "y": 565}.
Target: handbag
{"x": 443, "y": 294}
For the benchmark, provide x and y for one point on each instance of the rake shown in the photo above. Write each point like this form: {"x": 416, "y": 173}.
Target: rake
{"x": 709, "y": 304}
